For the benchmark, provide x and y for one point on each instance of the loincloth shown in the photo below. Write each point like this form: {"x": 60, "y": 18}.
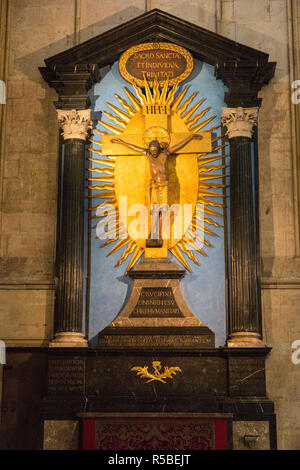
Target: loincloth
{"x": 159, "y": 192}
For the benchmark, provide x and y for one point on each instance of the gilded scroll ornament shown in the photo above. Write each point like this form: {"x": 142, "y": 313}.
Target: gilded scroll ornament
{"x": 157, "y": 375}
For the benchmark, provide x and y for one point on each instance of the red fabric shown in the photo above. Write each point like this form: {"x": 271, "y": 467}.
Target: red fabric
{"x": 154, "y": 435}
{"x": 88, "y": 434}
{"x": 220, "y": 434}
{"x": 201, "y": 442}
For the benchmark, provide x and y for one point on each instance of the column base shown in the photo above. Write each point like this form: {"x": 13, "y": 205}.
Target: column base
{"x": 68, "y": 339}
{"x": 245, "y": 339}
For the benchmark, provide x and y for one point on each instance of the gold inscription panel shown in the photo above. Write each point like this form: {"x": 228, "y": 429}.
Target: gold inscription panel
{"x": 162, "y": 61}
{"x": 157, "y": 340}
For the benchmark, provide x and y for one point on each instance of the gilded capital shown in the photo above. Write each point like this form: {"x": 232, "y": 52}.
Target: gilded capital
{"x": 239, "y": 121}
{"x": 74, "y": 124}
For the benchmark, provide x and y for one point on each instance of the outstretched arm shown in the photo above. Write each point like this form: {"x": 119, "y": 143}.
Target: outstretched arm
{"x": 181, "y": 144}
{"x": 130, "y": 146}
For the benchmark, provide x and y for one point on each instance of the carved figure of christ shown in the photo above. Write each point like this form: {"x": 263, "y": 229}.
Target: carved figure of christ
{"x": 157, "y": 157}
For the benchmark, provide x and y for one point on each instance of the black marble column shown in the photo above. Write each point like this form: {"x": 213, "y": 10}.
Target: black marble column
{"x": 72, "y": 83}
{"x": 69, "y": 296}
{"x": 70, "y": 246}
{"x": 244, "y": 296}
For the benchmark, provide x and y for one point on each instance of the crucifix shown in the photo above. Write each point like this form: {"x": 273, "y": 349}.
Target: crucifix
{"x": 158, "y": 134}
{"x": 157, "y": 154}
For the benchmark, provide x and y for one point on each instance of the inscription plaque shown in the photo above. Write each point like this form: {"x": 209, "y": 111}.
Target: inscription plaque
{"x": 178, "y": 341}
{"x": 161, "y": 60}
{"x": 156, "y": 302}
{"x": 66, "y": 375}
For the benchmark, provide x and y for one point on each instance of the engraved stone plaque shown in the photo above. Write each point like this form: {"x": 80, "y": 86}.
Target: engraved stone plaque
{"x": 156, "y": 314}
{"x": 66, "y": 375}
{"x": 156, "y": 302}
{"x": 143, "y": 341}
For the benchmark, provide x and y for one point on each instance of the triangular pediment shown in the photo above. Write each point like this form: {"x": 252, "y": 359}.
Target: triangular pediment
{"x": 242, "y": 69}
{"x": 157, "y": 25}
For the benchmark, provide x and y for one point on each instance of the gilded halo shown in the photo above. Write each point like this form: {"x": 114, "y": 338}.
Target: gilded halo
{"x": 157, "y": 133}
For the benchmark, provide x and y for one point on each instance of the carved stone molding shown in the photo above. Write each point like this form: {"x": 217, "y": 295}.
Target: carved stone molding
{"x": 69, "y": 339}
{"x": 74, "y": 124}
{"x": 72, "y": 83}
{"x": 245, "y": 339}
{"x": 239, "y": 121}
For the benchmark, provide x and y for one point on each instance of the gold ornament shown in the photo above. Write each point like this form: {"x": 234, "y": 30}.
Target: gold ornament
{"x": 157, "y": 375}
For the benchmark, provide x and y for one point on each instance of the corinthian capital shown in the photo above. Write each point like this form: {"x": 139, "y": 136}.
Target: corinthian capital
{"x": 74, "y": 124}
{"x": 239, "y": 121}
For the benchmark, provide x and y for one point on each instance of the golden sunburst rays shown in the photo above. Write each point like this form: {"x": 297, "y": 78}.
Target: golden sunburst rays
{"x": 205, "y": 217}
{"x": 211, "y": 168}
{"x": 110, "y": 227}
{"x": 211, "y": 192}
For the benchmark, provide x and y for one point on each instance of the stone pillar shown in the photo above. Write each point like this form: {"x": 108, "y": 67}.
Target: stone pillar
{"x": 70, "y": 256}
{"x": 245, "y": 310}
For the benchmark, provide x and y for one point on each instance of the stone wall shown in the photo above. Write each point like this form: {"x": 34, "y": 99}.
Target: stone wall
{"x": 36, "y": 29}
